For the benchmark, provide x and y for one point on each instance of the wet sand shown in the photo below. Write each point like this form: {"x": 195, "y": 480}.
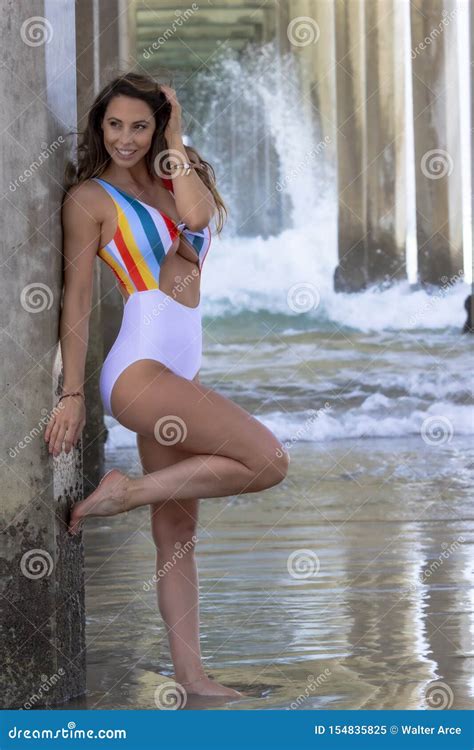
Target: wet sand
{"x": 347, "y": 586}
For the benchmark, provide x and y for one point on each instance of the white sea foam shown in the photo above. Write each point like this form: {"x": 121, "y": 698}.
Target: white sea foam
{"x": 377, "y": 417}
{"x": 252, "y": 274}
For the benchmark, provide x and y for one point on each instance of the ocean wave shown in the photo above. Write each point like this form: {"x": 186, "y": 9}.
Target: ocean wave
{"x": 438, "y": 423}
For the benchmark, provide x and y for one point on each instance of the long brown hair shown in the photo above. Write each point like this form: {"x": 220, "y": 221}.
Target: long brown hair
{"x": 93, "y": 158}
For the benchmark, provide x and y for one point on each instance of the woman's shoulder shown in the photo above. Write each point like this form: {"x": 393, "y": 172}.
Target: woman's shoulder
{"x": 85, "y": 197}
{"x": 85, "y": 190}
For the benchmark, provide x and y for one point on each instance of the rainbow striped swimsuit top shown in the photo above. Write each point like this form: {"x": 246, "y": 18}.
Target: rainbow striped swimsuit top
{"x": 142, "y": 240}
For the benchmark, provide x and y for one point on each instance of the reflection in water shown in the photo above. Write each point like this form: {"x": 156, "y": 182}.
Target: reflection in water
{"x": 330, "y": 590}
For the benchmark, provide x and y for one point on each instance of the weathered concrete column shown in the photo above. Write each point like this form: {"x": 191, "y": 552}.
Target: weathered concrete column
{"x": 323, "y": 75}
{"x": 110, "y": 53}
{"x": 283, "y": 18}
{"x": 94, "y": 435}
{"x": 310, "y": 37}
{"x": 110, "y": 21}
{"x": 43, "y": 622}
{"x": 103, "y": 52}
{"x": 351, "y": 272}
{"x": 385, "y": 167}
{"x": 437, "y": 139}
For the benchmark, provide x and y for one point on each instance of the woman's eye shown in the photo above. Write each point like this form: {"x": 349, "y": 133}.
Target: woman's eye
{"x": 116, "y": 124}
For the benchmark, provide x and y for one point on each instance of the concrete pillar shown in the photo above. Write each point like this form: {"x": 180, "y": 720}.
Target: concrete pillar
{"x": 311, "y": 27}
{"x": 351, "y": 272}
{"x": 106, "y": 33}
{"x": 385, "y": 62}
{"x": 43, "y": 619}
{"x": 88, "y": 74}
{"x": 108, "y": 42}
{"x": 304, "y": 35}
{"x": 283, "y": 18}
{"x": 437, "y": 139}
{"x": 323, "y": 76}
{"x": 103, "y": 51}
{"x": 88, "y": 67}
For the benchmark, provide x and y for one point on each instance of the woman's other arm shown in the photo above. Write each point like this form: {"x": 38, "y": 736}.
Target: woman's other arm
{"x": 81, "y": 237}
{"x": 81, "y": 233}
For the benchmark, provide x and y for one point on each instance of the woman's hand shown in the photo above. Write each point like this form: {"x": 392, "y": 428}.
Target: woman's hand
{"x": 173, "y": 129}
{"x": 66, "y": 424}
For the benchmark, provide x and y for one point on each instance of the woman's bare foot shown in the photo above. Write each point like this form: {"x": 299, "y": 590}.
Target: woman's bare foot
{"x": 108, "y": 499}
{"x": 206, "y": 686}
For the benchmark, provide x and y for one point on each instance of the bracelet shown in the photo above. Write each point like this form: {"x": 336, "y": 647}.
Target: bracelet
{"x": 76, "y": 393}
{"x": 187, "y": 167}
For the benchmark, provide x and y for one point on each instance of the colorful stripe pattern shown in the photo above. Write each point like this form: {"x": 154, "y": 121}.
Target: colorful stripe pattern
{"x": 142, "y": 240}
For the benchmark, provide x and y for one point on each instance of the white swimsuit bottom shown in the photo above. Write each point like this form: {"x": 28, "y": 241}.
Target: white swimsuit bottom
{"x": 154, "y": 326}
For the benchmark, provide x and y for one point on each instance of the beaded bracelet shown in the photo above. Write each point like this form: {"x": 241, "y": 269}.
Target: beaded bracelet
{"x": 76, "y": 393}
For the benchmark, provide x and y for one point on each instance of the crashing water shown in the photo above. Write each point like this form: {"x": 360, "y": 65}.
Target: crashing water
{"x": 278, "y": 339}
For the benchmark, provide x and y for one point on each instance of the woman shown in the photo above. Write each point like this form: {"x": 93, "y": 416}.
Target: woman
{"x": 145, "y": 208}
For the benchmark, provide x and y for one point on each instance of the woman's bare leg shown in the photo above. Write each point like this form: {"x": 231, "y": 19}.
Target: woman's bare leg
{"x": 232, "y": 452}
{"x": 174, "y": 526}
{"x": 174, "y": 529}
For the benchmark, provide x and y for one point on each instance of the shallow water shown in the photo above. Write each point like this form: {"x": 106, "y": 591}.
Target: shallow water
{"x": 346, "y": 586}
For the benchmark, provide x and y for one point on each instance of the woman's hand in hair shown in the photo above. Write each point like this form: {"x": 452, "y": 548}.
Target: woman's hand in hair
{"x": 173, "y": 129}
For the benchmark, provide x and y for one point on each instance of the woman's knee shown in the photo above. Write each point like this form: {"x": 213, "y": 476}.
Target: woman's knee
{"x": 270, "y": 465}
{"x": 174, "y": 530}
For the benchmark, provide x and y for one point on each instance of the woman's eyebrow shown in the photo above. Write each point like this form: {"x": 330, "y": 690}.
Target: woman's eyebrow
{"x": 111, "y": 117}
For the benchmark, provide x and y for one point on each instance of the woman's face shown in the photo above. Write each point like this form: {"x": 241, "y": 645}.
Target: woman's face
{"x": 128, "y": 128}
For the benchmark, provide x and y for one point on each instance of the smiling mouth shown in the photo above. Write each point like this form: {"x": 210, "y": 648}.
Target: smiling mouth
{"x": 125, "y": 152}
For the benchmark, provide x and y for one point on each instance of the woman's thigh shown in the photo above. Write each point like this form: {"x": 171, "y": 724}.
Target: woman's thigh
{"x": 156, "y": 403}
